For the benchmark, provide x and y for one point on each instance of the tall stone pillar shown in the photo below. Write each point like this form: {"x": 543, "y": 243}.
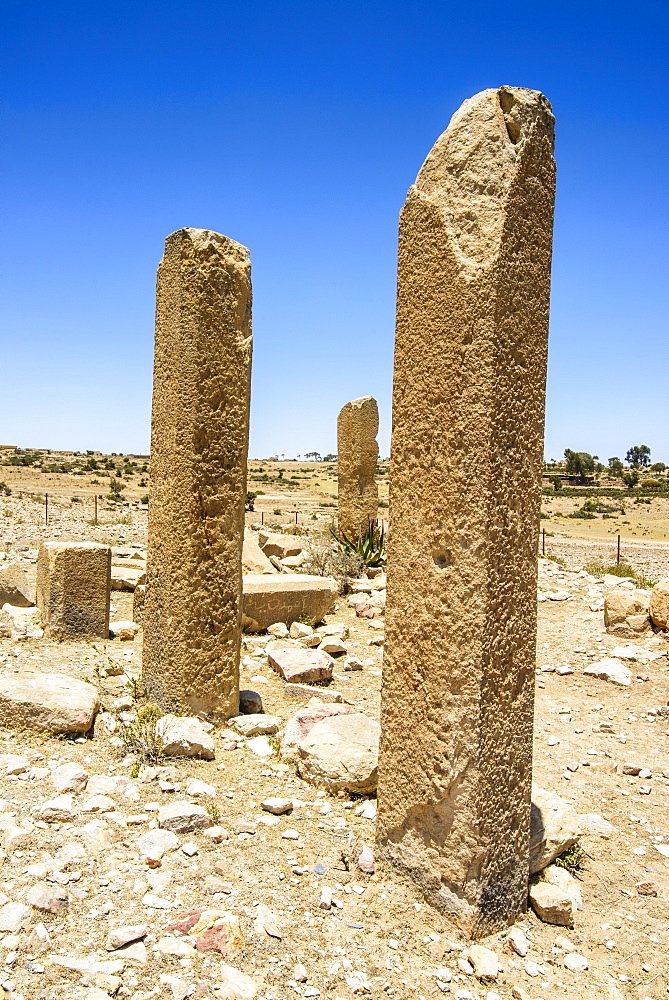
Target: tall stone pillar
{"x": 199, "y": 444}
{"x": 358, "y": 453}
{"x": 468, "y": 410}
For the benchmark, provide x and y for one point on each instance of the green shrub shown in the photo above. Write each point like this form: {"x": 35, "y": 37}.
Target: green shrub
{"x": 573, "y": 859}
{"x": 369, "y": 546}
{"x": 597, "y": 567}
{"x": 140, "y": 737}
{"x": 115, "y": 488}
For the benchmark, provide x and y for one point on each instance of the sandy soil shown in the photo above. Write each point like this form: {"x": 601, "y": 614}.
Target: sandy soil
{"x": 383, "y": 940}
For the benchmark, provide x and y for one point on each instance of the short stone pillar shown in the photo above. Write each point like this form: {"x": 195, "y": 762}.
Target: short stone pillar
{"x": 73, "y": 584}
{"x": 455, "y": 762}
{"x": 199, "y": 443}
{"x": 358, "y": 453}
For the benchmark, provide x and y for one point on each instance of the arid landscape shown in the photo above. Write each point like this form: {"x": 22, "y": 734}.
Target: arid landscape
{"x": 387, "y": 719}
{"x": 307, "y": 920}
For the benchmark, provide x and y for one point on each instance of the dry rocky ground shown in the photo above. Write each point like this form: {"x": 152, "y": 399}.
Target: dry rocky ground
{"x": 377, "y": 938}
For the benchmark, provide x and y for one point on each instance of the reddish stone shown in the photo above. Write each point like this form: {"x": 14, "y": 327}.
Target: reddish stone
{"x": 183, "y": 924}
{"x": 303, "y": 721}
{"x": 302, "y": 666}
{"x": 364, "y": 611}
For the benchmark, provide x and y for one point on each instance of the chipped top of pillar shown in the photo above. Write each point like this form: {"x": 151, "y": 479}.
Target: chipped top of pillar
{"x": 359, "y": 403}
{"x": 207, "y": 239}
{"x": 470, "y": 169}
{"x": 365, "y": 408}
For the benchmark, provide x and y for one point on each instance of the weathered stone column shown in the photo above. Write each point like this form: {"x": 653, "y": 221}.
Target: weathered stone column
{"x": 358, "y": 453}
{"x": 199, "y": 444}
{"x": 468, "y": 409}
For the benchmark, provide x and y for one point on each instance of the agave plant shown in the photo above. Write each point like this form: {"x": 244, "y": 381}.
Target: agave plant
{"x": 369, "y": 546}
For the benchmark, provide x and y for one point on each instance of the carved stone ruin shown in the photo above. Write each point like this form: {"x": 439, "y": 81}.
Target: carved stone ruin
{"x": 73, "y": 588}
{"x": 468, "y": 409}
{"x": 358, "y": 453}
{"x": 199, "y": 444}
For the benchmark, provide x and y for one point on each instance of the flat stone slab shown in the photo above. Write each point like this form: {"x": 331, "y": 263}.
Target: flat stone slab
{"x": 256, "y": 725}
{"x": 125, "y": 577}
{"x": 610, "y": 669}
{"x": 183, "y": 817}
{"x": 52, "y": 703}
{"x": 301, "y": 665}
{"x": 306, "y": 691}
{"x": 285, "y": 598}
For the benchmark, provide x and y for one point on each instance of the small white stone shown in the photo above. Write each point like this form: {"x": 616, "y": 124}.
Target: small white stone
{"x": 533, "y": 969}
{"x": 517, "y": 940}
{"x": 196, "y": 787}
{"x": 260, "y": 745}
{"x": 155, "y": 902}
{"x": 300, "y": 974}
{"x": 575, "y": 962}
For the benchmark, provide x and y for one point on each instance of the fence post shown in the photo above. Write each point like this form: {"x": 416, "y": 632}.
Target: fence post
{"x": 96, "y": 508}
{"x": 543, "y": 541}
{"x": 618, "y": 556}
{"x": 46, "y": 508}
{"x": 295, "y": 517}
{"x": 262, "y": 516}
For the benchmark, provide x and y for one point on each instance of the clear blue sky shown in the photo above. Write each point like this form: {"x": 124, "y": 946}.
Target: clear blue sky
{"x": 296, "y": 129}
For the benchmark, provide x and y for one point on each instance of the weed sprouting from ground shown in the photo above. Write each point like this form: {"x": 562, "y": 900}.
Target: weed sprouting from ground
{"x": 324, "y": 558}
{"x": 597, "y": 567}
{"x": 141, "y": 737}
{"x": 214, "y": 812}
{"x": 574, "y": 859}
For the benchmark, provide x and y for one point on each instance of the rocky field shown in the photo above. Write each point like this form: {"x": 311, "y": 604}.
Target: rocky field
{"x": 136, "y": 874}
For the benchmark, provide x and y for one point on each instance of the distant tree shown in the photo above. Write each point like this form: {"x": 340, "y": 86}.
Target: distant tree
{"x": 658, "y": 467}
{"x": 557, "y": 483}
{"x": 115, "y": 488}
{"x": 638, "y": 456}
{"x": 615, "y": 466}
{"x": 579, "y": 463}
{"x": 313, "y": 455}
{"x": 329, "y": 458}
{"x": 630, "y": 479}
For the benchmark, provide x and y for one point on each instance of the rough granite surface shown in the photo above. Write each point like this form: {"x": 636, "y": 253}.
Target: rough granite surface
{"x": 199, "y": 444}
{"x": 358, "y": 453}
{"x": 468, "y": 412}
{"x": 73, "y": 585}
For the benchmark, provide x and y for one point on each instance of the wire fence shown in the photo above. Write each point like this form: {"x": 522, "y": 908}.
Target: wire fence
{"x": 96, "y": 500}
